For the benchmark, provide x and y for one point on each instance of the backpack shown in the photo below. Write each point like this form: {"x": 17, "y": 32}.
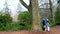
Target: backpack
{"x": 44, "y": 21}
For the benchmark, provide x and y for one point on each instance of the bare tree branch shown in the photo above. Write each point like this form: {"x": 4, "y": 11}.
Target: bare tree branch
{"x": 24, "y": 4}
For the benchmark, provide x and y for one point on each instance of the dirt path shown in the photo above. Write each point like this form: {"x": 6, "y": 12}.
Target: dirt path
{"x": 54, "y": 30}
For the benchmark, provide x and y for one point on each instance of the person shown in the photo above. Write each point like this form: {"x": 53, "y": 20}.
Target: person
{"x": 48, "y": 25}
{"x": 44, "y": 20}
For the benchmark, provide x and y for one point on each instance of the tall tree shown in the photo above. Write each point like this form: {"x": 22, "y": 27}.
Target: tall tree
{"x": 33, "y": 10}
{"x": 51, "y": 10}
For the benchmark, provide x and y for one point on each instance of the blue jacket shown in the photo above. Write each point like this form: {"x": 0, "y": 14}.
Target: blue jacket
{"x": 44, "y": 21}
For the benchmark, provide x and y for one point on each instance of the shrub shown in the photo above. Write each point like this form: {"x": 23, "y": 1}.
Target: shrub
{"x": 14, "y": 26}
{"x": 6, "y": 18}
{"x": 23, "y": 23}
{"x": 57, "y": 16}
{"x": 9, "y": 26}
{"x": 24, "y": 19}
{"x": 52, "y": 24}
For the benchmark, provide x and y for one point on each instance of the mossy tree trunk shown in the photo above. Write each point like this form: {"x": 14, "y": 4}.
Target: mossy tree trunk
{"x": 33, "y": 10}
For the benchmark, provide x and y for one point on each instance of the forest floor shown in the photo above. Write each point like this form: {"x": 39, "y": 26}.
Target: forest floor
{"x": 54, "y": 30}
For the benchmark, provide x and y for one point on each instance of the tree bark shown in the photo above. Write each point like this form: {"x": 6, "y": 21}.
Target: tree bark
{"x": 36, "y": 16}
{"x": 33, "y": 10}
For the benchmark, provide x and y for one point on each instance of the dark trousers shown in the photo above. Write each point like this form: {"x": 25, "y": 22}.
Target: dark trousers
{"x": 43, "y": 29}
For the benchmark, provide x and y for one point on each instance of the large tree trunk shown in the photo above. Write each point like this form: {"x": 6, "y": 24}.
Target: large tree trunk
{"x": 33, "y": 10}
{"x": 35, "y": 15}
